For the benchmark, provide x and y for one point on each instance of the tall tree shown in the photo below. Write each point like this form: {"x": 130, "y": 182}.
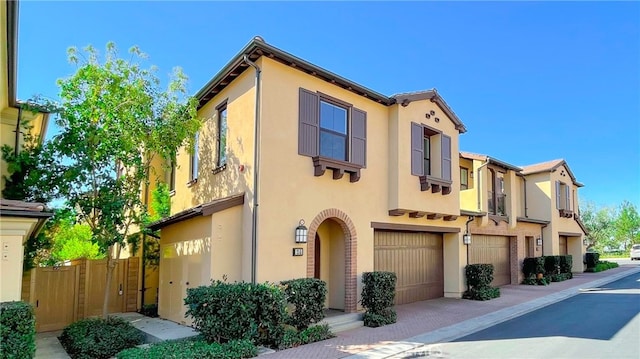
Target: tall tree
{"x": 600, "y": 225}
{"x": 627, "y": 225}
{"x": 114, "y": 119}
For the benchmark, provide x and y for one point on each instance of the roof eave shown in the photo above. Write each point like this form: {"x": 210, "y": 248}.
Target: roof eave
{"x": 404, "y": 99}
{"x": 257, "y": 48}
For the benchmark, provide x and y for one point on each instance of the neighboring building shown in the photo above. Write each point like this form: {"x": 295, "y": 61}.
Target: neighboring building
{"x": 18, "y": 220}
{"x": 552, "y": 195}
{"x": 375, "y": 178}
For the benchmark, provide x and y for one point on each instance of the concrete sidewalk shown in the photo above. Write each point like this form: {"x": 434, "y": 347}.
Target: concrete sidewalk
{"x": 445, "y": 319}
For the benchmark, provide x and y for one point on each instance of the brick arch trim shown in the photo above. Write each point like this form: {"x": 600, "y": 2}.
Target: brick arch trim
{"x": 350, "y": 253}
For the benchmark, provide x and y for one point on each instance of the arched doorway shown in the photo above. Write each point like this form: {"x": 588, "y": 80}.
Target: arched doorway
{"x": 331, "y": 256}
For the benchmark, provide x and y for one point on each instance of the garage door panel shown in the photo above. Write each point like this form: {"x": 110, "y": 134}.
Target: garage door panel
{"x": 493, "y": 250}
{"x": 417, "y": 260}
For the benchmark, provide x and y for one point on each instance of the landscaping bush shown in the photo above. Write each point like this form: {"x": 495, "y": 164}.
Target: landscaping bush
{"x": 223, "y": 312}
{"x": 193, "y": 349}
{"x": 150, "y": 310}
{"x": 531, "y": 267}
{"x": 378, "y": 294}
{"x": 17, "y": 330}
{"x": 479, "y": 278}
{"x": 97, "y": 338}
{"x": 307, "y": 296}
{"x": 551, "y": 265}
{"x": 561, "y": 277}
{"x": 602, "y": 266}
{"x": 293, "y": 338}
{"x": 566, "y": 263}
{"x": 592, "y": 259}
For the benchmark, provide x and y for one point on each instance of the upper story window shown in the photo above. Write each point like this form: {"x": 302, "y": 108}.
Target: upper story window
{"x": 222, "y": 135}
{"x": 194, "y": 159}
{"x": 431, "y": 158}
{"x": 333, "y": 133}
{"x": 563, "y": 199}
{"x": 496, "y": 193}
{"x": 464, "y": 178}
{"x": 170, "y": 176}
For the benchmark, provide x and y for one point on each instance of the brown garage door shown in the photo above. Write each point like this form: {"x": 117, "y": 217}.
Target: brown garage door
{"x": 494, "y": 250}
{"x": 416, "y": 258}
{"x": 563, "y": 245}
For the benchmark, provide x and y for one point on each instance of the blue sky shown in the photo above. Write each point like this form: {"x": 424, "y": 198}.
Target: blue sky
{"x": 532, "y": 81}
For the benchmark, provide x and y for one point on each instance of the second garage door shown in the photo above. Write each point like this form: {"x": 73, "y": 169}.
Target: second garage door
{"x": 493, "y": 250}
{"x": 417, "y": 260}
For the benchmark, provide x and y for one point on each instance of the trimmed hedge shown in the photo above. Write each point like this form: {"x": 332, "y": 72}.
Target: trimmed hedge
{"x": 553, "y": 269}
{"x": 378, "y": 294}
{"x": 602, "y": 266}
{"x": 592, "y": 259}
{"x": 17, "y": 330}
{"x": 223, "y": 312}
{"x": 307, "y": 296}
{"x": 193, "y": 349}
{"x": 97, "y": 338}
{"x": 479, "y": 278}
{"x": 566, "y": 263}
{"x": 293, "y": 338}
{"x": 531, "y": 266}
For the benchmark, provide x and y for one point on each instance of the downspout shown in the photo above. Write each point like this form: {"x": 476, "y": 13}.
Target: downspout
{"x": 16, "y": 149}
{"x": 525, "y": 197}
{"x": 471, "y": 218}
{"x": 144, "y": 241}
{"x": 256, "y": 159}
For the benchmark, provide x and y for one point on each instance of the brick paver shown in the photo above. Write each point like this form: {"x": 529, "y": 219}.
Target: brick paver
{"x": 422, "y": 317}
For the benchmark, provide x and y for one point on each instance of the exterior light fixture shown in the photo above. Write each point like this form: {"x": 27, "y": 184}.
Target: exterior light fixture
{"x": 301, "y": 232}
{"x": 466, "y": 238}
{"x": 538, "y": 241}
{"x": 585, "y": 241}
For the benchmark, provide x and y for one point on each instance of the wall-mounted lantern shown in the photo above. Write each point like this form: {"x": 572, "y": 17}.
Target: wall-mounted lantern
{"x": 301, "y": 232}
{"x": 539, "y": 241}
{"x": 466, "y": 238}
{"x": 585, "y": 241}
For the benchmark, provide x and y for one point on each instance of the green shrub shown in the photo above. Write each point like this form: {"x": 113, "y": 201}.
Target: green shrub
{"x": 17, "y": 330}
{"x": 592, "y": 259}
{"x": 531, "y": 266}
{"x": 293, "y": 338}
{"x": 149, "y": 310}
{"x": 307, "y": 295}
{"x": 561, "y": 277}
{"x": 97, "y": 338}
{"x": 479, "y": 278}
{"x": 374, "y": 320}
{"x": 192, "y": 349}
{"x": 551, "y": 265}
{"x": 602, "y": 266}
{"x": 235, "y": 311}
{"x": 566, "y": 263}
{"x": 378, "y": 294}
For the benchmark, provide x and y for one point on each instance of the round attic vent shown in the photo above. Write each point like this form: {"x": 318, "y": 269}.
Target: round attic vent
{"x": 258, "y": 38}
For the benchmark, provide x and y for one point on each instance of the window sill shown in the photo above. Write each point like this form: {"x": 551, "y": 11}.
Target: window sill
{"x": 566, "y": 213}
{"x": 436, "y": 184}
{"x": 219, "y": 169}
{"x": 497, "y": 218}
{"x": 192, "y": 182}
{"x": 321, "y": 164}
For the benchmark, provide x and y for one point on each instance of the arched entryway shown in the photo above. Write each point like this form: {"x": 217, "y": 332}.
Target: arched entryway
{"x": 336, "y": 261}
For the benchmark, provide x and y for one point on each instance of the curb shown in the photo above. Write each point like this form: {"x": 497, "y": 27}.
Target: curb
{"x": 473, "y": 325}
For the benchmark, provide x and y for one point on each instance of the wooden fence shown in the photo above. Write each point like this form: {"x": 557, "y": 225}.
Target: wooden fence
{"x": 62, "y": 295}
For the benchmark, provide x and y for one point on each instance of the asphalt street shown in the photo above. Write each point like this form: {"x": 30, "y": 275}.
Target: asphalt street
{"x": 598, "y": 323}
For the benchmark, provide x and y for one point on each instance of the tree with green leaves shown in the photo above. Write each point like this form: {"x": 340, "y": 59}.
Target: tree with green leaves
{"x": 600, "y": 225}
{"x": 627, "y": 225}
{"x": 114, "y": 119}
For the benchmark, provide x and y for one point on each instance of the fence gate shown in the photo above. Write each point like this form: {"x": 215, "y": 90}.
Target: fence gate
{"x": 54, "y": 297}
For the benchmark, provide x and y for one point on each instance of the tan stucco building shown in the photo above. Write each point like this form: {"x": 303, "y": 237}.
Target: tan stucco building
{"x": 18, "y": 220}
{"x": 375, "y": 179}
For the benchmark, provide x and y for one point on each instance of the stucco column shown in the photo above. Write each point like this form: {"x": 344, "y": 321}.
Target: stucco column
{"x": 455, "y": 259}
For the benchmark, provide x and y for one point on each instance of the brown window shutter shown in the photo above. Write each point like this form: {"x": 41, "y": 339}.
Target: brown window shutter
{"x": 417, "y": 152}
{"x": 446, "y": 157}
{"x": 359, "y": 137}
{"x": 567, "y": 195}
{"x": 308, "y": 123}
{"x": 558, "y": 194}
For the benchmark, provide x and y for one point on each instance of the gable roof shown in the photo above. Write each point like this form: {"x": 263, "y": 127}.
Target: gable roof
{"x": 491, "y": 160}
{"x": 257, "y": 47}
{"x": 550, "y": 166}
